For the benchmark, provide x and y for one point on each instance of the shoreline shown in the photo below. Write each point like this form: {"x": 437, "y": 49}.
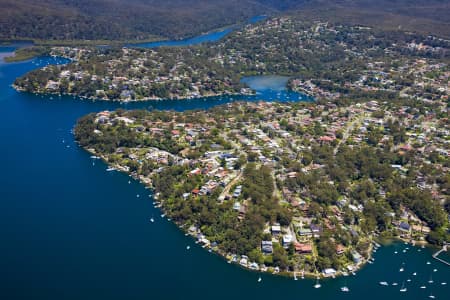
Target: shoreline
{"x": 227, "y": 257}
{"x": 147, "y": 99}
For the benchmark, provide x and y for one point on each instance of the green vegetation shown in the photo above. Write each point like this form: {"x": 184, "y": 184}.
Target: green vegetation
{"x": 140, "y": 20}
{"x": 277, "y": 193}
{"x": 336, "y": 62}
{"x": 300, "y": 186}
{"x": 27, "y": 53}
{"x": 120, "y": 20}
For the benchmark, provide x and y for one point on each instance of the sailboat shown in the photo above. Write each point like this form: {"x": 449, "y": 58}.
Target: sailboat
{"x": 152, "y": 219}
{"x": 431, "y": 279}
{"x": 295, "y": 276}
{"x": 317, "y": 285}
{"x": 403, "y": 289}
{"x": 259, "y": 279}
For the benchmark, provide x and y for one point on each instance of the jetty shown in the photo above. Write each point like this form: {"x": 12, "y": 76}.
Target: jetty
{"x": 435, "y": 255}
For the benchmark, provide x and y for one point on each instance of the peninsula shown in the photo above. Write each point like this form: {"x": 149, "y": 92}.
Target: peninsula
{"x": 300, "y": 188}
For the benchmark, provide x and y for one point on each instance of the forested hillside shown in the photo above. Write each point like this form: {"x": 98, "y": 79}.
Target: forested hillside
{"x": 426, "y": 17}
{"x": 145, "y": 19}
{"x": 119, "y": 19}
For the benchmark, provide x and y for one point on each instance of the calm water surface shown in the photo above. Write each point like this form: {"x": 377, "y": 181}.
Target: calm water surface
{"x": 212, "y": 36}
{"x": 71, "y": 230}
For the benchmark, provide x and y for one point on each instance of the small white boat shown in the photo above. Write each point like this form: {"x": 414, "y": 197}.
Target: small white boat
{"x": 259, "y": 279}
{"x": 163, "y": 215}
{"x": 384, "y": 283}
{"x": 434, "y": 270}
{"x": 317, "y": 285}
{"x": 295, "y": 276}
{"x": 431, "y": 296}
{"x": 345, "y": 289}
{"x": 110, "y": 169}
{"x": 431, "y": 279}
{"x": 394, "y": 283}
{"x": 403, "y": 289}
{"x": 188, "y": 247}
{"x": 415, "y": 273}
{"x": 401, "y": 270}
{"x": 428, "y": 263}
{"x": 152, "y": 220}
{"x": 395, "y": 252}
{"x": 423, "y": 287}
{"x": 408, "y": 280}
{"x": 443, "y": 283}
{"x": 137, "y": 196}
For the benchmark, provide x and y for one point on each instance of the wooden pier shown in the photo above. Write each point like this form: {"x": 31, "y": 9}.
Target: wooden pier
{"x": 435, "y": 256}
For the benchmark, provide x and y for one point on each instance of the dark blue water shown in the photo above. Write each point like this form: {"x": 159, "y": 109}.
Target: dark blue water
{"x": 71, "y": 230}
{"x": 212, "y": 36}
